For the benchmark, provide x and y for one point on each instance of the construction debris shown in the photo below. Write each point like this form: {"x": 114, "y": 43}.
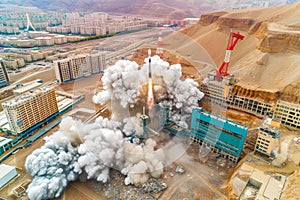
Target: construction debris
{"x": 154, "y": 185}
{"x": 179, "y": 170}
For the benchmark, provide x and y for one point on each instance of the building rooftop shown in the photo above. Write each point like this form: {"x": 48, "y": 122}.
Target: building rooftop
{"x": 271, "y": 130}
{"x": 26, "y": 96}
{"x": 221, "y": 119}
{"x": 266, "y": 186}
{"x": 3, "y": 119}
{"x": 3, "y": 141}
{"x": 28, "y": 86}
{"x": 43, "y": 38}
{"x": 64, "y": 103}
{"x": 7, "y": 173}
{"x": 59, "y": 36}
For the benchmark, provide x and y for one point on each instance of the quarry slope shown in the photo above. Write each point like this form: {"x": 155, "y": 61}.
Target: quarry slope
{"x": 266, "y": 61}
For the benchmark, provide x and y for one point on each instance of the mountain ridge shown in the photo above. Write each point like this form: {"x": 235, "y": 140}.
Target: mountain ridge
{"x": 167, "y": 9}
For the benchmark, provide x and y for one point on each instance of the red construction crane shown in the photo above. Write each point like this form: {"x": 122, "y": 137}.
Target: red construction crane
{"x": 232, "y": 40}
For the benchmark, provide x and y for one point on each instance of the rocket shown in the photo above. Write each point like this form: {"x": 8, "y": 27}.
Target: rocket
{"x": 149, "y": 56}
{"x": 150, "y": 99}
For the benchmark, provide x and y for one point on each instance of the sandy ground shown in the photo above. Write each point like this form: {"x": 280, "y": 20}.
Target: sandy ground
{"x": 198, "y": 177}
{"x": 204, "y": 47}
{"x": 82, "y": 86}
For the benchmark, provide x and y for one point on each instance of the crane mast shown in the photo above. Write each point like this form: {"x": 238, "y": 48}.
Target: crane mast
{"x": 234, "y": 37}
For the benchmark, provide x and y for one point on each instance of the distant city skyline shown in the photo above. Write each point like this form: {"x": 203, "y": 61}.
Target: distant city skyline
{"x": 175, "y": 9}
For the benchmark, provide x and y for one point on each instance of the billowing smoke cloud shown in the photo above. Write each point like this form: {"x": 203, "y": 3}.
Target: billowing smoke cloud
{"x": 124, "y": 80}
{"x": 140, "y": 160}
{"x": 92, "y": 149}
{"x": 101, "y": 149}
{"x": 121, "y": 81}
{"x": 52, "y": 166}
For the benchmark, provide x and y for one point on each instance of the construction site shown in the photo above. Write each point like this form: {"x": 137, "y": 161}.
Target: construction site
{"x": 151, "y": 128}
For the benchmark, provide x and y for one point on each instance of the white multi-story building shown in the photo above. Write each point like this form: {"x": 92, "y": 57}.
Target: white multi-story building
{"x": 75, "y": 67}
{"x": 287, "y": 113}
{"x": 267, "y": 139}
{"x": 24, "y": 111}
{"x": 98, "y": 24}
{"x": 3, "y": 74}
{"x": 71, "y": 68}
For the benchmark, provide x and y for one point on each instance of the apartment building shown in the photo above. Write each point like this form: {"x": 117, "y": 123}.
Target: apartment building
{"x": 26, "y": 110}
{"x": 79, "y": 66}
{"x": 287, "y": 113}
{"x": 267, "y": 139}
{"x": 3, "y": 74}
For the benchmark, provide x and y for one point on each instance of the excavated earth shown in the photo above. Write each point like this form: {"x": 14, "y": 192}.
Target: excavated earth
{"x": 266, "y": 62}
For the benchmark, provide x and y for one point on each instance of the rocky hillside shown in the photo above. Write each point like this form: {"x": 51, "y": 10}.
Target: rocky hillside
{"x": 266, "y": 62}
{"x": 172, "y": 9}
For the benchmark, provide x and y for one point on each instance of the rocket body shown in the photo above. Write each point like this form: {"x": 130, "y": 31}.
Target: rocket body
{"x": 149, "y": 57}
{"x": 150, "y": 99}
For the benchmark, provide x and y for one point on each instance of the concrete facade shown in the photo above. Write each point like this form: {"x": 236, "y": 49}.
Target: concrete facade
{"x": 79, "y": 66}
{"x": 287, "y": 113}
{"x": 267, "y": 139}
{"x": 4, "y": 80}
{"x": 220, "y": 93}
{"x": 26, "y": 110}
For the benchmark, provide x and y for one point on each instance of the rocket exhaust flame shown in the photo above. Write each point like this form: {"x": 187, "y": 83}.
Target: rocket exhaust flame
{"x": 150, "y": 99}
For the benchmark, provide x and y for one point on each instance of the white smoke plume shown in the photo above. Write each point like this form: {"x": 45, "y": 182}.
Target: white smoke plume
{"x": 52, "y": 166}
{"x": 124, "y": 80}
{"x": 92, "y": 149}
{"x": 142, "y": 162}
{"x": 121, "y": 81}
{"x": 101, "y": 149}
{"x": 132, "y": 125}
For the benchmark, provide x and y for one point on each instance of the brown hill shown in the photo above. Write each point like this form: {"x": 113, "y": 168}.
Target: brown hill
{"x": 172, "y": 9}
{"x": 265, "y": 61}
{"x": 168, "y": 9}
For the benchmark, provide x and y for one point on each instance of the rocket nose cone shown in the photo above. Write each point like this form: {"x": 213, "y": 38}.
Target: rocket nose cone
{"x": 149, "y": 52}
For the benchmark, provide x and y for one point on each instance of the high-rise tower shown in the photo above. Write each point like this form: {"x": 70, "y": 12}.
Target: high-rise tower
{"x": 23, "y": 112}
{"x": 3, "y": 74}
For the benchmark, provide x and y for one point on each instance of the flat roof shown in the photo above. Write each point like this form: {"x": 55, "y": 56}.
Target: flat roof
{"x": 27, "y": 87}
{"x": 274, "y": 188}
{"x": 259, "y": 176}
{"x": 26, "y": 96}
{"x": 6, "y": 126}
{"x": 4, "y": 141}
{"x": 5, "y": 169}
{"x": 43, "y": 38}
{"x": 64, "y": 103}
{"x": 60, "y": 98}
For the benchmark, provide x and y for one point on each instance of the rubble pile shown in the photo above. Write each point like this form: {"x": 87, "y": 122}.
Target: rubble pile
{"x": 179, "y": 170}
{"x": 154, "y": 185}
{"x": 115, "y": 189}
